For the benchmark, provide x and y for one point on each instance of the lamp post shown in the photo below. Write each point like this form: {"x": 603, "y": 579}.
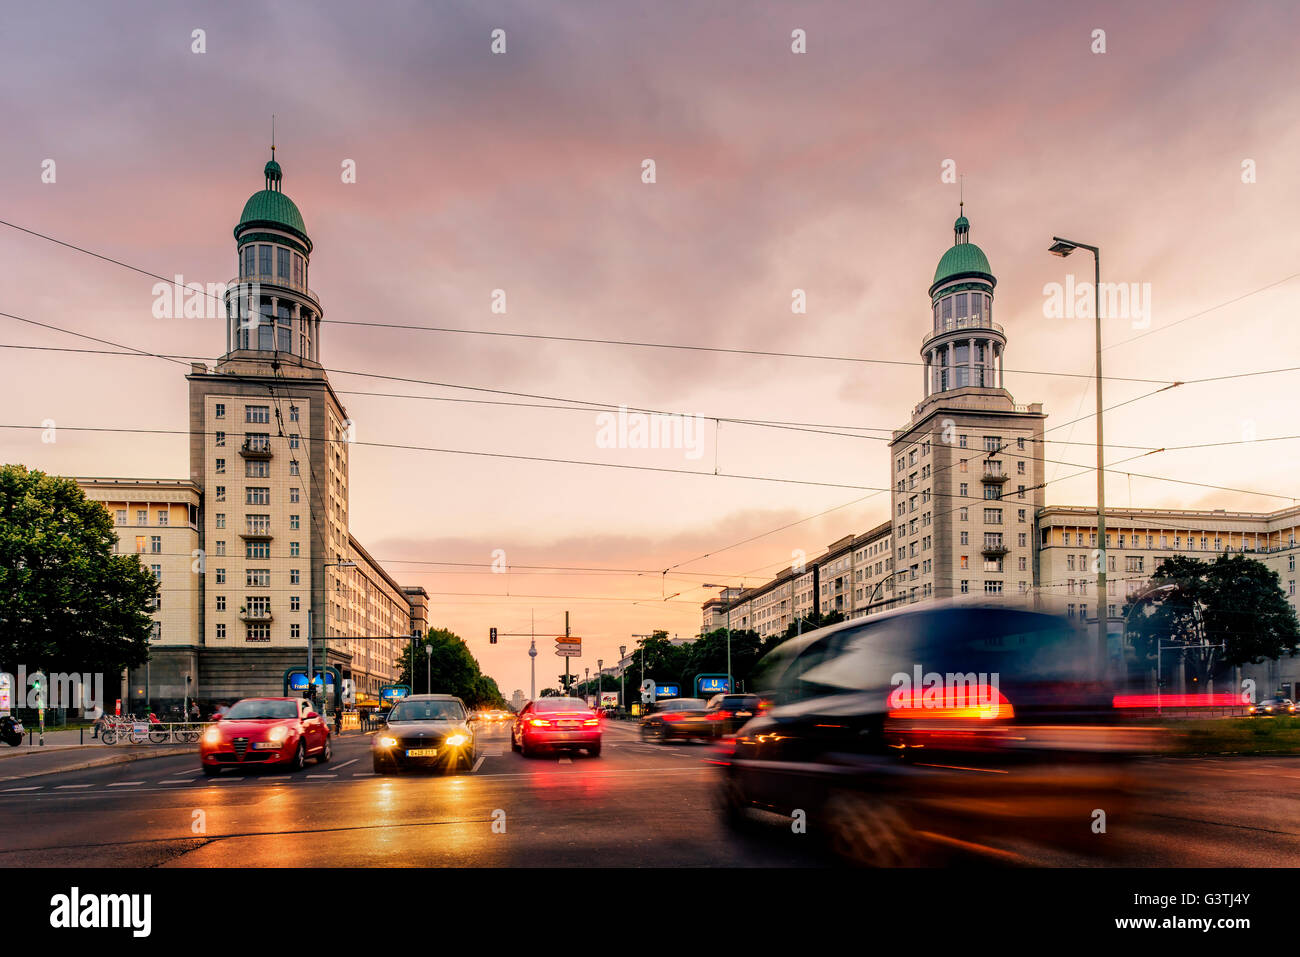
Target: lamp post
{"x": 1063, "y": 247}
{"x": 643, "y": 637}
{"x": 622, "y": 653}
{"x": 324, "y": 636}
{"x": 600, "y": 680}
{"x": 428, "y": 669}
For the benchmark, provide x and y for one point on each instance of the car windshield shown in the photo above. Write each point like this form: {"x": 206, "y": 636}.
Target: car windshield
{"x": 427, "y": 711}
{"x": 255, "y": 709}
{"x": 561, "y": 704}
{"x": 682, "y": 704}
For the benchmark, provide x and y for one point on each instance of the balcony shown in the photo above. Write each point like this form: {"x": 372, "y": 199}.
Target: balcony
{"x": 254, "y": 615}
{"x": 256, "y": 534}
{"x": 957, "y": 325}
{"x": 992, "y": 551}
{"x": 255, "y": 450}
{"x": 994, "y": 476}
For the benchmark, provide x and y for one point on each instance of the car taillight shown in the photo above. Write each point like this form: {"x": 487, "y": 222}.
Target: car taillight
{"x": 720, "y": 716}
{"x": 673, "y": 717}
{"x": 966, "y": 701}
{"x": 592, "y": 721}
{"x": 538, "y": 722}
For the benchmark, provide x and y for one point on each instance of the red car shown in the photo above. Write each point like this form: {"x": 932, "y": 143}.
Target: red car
{"x": 265, "y": 731}
{"x": 554, "y": 723}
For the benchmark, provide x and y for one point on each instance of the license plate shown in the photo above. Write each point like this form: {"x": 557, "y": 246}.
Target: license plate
{"x": 743, "y": 714}
{"x": 422, "y": 753}
{"x": 569, "y": 724}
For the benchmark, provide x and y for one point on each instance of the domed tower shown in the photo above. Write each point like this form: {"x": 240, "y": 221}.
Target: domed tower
{"x": 967, "y": 469}
{"x": 964, "y": 347}
{"x": 269, "y": 307}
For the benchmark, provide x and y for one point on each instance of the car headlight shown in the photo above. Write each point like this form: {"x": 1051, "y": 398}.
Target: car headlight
{"x": 278, "y": 733}
{"x": 387, "y": 742}
{"x": 456, "y": 740}
{"x": 212, "y": 735}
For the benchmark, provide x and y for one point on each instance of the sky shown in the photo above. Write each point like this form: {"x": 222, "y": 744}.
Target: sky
{"x": 522, "y": 171}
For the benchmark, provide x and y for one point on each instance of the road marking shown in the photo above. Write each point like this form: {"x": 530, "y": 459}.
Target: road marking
{"x": 363, "y": 774}
{"x": 69, "y": 787}
{"x": 479, "y": 763}
{"x": 312, "y": 777}
{"x": 281, "y": 777}
{"x": 566, "y": 760}
{"x": 178, "y": 781}
{"x": 340, "y": 767}
{"x": 126, "y": 784}
{"x": 10, "y": 790}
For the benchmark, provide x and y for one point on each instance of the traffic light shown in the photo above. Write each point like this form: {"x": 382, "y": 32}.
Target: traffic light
{"x": 492, "y": 636}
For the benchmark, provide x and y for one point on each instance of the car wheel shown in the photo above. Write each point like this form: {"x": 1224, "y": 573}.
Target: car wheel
{"x": 867, "y": 830}
{"x": 514, "y": 745}
{"x": 594, "y": 750}
{"x": 326, "y": 753}
{"x": 299, "y": 757}
{"x": 525, "y": 750}
{"x": 211, "y": 770}
{"x": 645, "y": 733}
{"x": 379, "y": 766}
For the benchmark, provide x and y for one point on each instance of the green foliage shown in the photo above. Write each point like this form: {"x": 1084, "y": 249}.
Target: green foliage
{"x": 67, "y": 603}
{"x": 1235, "y": 601}
{"x": 449, "y": 669}
{"x": 812, "y": 621}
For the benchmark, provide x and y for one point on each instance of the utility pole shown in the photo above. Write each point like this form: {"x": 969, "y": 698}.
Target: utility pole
{"x": 566, "y": 657}
{"x": 622, "y": 653}
{"x": 532, "y": 656}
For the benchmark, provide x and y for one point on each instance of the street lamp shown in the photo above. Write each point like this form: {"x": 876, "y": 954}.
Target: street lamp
{"x": 622, "y": 653}
{"x": 600, "y": 682}
{"x": 642, "y": 643}
{"x": 428, "y": 669}
{"x": 1063, "y": 247}
{"x": 324, "y": 636}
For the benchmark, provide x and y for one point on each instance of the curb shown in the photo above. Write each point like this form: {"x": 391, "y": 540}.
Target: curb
{"x": 121, "y": 758}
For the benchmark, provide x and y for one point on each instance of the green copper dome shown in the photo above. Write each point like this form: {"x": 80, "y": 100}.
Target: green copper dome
{"x": 963, "y": 259}
{"x": 269, "y": 207}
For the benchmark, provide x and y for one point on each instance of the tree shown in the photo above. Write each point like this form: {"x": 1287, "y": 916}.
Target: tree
{"x": 549, "y": 693}
{"x": 449, "y": 669}
{"x": 1234, "y": 601}
{"x": 811, "y": 621}
{"x": 67, "y": 603}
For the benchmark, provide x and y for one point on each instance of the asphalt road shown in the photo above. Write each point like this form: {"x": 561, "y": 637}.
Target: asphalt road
{"x": 635, "y": 805}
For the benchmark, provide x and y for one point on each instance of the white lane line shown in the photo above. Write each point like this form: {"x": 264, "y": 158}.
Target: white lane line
{"x": 280, "y": 777}
{"x": 363, "y": 774}
{"x": 177, "y": 781}
{"x": 346, "y": 763}
{"x": 479, "y": 763}
{"x": 312, "y": 777}
{"x": 126, "y": 784}
{"x": 566, "y": 760}
{"x": 70, "y": 787}
{"x": 11, "y": 790}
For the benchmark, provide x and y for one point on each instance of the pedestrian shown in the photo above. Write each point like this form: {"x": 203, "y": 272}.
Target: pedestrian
{"x": 101, "y": 723}
{"x": 194, "y": 711}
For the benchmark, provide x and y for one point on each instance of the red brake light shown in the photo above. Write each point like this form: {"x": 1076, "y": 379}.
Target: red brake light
{"x": 672, "y": 716}
{"x": 538, "y": 722}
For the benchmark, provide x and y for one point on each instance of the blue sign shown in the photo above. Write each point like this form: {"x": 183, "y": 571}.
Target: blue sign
{"x": 393, "y": 693}
{"x": 667, "y": 691}
{"x": 298, "y": 680}
{"x": 714, "y": 685}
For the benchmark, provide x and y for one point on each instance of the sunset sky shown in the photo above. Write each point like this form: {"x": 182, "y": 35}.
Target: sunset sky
{"x": 775, "y": 171}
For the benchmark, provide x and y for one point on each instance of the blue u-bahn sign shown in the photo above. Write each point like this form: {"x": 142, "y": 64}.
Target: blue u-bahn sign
{"x": 391, "y": 694}
{"x": 712, "y": 684}
{"x": 667, "y": 691}
{"x": 295, "y": 679}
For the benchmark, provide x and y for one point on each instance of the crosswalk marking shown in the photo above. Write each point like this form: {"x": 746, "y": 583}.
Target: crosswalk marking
{"x": 479, "y": 763}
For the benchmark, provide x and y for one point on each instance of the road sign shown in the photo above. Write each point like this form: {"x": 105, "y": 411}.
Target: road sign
{"x": 568, "y": 640}
{"x": 492, "y": 636}
{"x": 569, "y": 651}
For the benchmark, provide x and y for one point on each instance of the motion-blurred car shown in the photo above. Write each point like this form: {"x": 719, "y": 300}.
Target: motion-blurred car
{"x": 914, "y": 735}
{"x": 265, "y": 731}
{"x": 424, "y": 731}
{"x": 728, "y": 712}
{"x": 677, "y": 718}
{"x": 1274, "y": 707}
{"x": 556, "y": 723}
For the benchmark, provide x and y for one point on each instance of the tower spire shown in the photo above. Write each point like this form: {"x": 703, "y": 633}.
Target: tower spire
{"x": 272, "y": 170}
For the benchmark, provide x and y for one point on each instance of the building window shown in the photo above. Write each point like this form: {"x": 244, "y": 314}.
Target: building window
{"x": 293, "y": 496}
{"x": 259, "y": 632}
{"x": 294, "y": 522}
{"x": 155, "y": 544}
{"x": 221, "y": 548}
{"x": 992, "y": 588}
{"x": 257, "y": 577}
{"x": 257, "y": 549}
{"x": 965, "y": 561}
{"x": 293, "y": 550}
{"x": 220, "y": 493}
{"x": 293, "y": 441}
{"x": 257, "y": 495}
{"x": 965, "y": 586}
{"x": 219, "y": 410}
{"x": 220, "y": 440}
{"x": 992, "y": 516}
{"x": 221, "y": 519}
{"x": 282, "y": 263}
{"x": 964, "y": 514}
{"x": 294, "y": 631}
{"x": 221, "y": 576}
{"x": 162, "y": 517}
{"x": 257, "y": 414}
{"x": 295, "y": 602}
{"x": 221, "y": 603}
{"x": 961, "y": 441}
{"x": 294, "y": 577}
{"x": 221, "y": 631}
{"x": 965, "y": 538}
{"x": 961, "y": 490}
{"x": 264, "y": 260}
{"x": 157, "y": 630}
{"x": 221, "y": 466}
{"x": 142, "y": 516}
{"x": 293, "y": 413}
{"x": 257, "y": 468}
{"x": 293, "y": 466}
{"x": 120, "y": 516}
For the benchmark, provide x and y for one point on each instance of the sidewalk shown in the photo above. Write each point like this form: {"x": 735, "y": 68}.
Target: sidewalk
{"x": 24, "y": 762}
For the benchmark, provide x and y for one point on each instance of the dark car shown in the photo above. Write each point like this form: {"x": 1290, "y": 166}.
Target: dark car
{"x": 1274, "y": 707}
{"x": 424, "y": 731}
{"x": 912, "y": 736}
{"x": 726, "y": 713}
{"x": 556, "y": 724}
{"x": 677, "y": 718}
